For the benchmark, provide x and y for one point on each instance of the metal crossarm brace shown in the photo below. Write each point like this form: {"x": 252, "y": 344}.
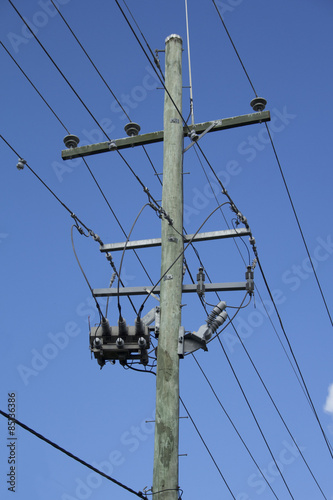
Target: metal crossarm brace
{"x": 143, "y": 139}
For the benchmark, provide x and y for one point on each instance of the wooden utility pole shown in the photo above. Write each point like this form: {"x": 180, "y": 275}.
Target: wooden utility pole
{"x": 167, "y": 380}
{"x": 170, "y": 343}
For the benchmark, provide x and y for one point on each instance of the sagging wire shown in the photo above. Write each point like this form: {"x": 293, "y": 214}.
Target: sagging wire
{"x": 122, "y": 259}
{"x": 80, "y": 230}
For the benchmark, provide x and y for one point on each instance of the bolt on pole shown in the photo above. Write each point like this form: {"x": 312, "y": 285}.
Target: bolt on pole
{"x": 167, "y": 381}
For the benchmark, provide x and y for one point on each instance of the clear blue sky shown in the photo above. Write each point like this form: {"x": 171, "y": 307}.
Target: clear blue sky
{"x": 100, "y": 415}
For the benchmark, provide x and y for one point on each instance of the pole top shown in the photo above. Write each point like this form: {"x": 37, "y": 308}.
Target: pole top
{"x": 174, "y": 37}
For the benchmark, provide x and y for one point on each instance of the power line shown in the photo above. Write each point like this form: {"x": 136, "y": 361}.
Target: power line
{"x": 74, "y": 457}
{"x": 236, "y": 51}
{"x": 35, "y": 88}
{"x": 85, "y": 162}
{"x": 303, "y": 385}
{"x": 254, "y": 417}
{"x": 299, "y": 224}
{"x": 276, "y": 408}
{"x": 150, "y": 62}
{"x": 224, "y": 191}
{"x": 208, "y": 450}
{"x": 156, "y": 61}
{"x": 48, "y": 188}
{"x": 329, "y": 446}
{"x": 58, "y": 69}
{"x": 90, "y": 60}
{"x": 233, "y": 425}
{"x": 281, "y": 172}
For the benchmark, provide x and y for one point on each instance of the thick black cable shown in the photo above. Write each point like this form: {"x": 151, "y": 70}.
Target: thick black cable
{"x": 208, "y": 450}
{"x": 233, "y": 425}
{"x": 74, "y": 457}
{"x": 90, "y": 60}
{"x": 236, "y": 51}
{"x": 35, "y": 88}
{"x": 329, "y": 446}
{"x": 255, "y": 418}
{"x": 299, "y": 224}
{"x": 58, "y": 69}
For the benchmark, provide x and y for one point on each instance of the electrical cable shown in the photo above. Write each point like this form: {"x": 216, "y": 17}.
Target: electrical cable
{"x": 152, "y": 65}
{"x": 84, "y": 275}
{"x": 240, "y": 253}
{"x": 208, "y": 450}
{"x": 277, "y": 410}
{"x": 123, "y": 254}
{"x": 236, "y": 51}
{"x": 114, "y": 215}
{"x": 329, "y": 446}
{"x": 233, "y": 425}
{"x": 68, "y": 130}
{"x": 35, "y": 88}
{"x": 180, "y": 255}
{"x": 58, "y": 69}
{"x": 255, "y": 419}
{"x": 90, "y": 60}
{"x": 47, "y": 187}
{"x": 283, "y": 177}
{"x": 156, "y": 61}
{"x": 299, "y": 225}
{"x": 74, "y": 457}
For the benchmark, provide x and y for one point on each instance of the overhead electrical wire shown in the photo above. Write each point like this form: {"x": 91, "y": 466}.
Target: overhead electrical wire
{"x": 156, "y": 61}
{"x": 303, "y": 384}
{"x": 277, "y": 410}
{"x": 59, "y": 70}
{"x": 240, "y": 253}
{"x": 71, "y": 455}
{"x": 283, "y": 177}
{"x": 329, "y": 446}
{"x": 208, "y": 450}
{"x": 84, "y": 160}
{"x": 90, "y": 60}
{"x": 180, "y": 255}
{"x": 233, "y": 425}
{"x": 47, "y": 187}
{"x": 236, "y": 51}
{"x": 35, "y": 88}
{"x": 123, "y": 254}
{"x": 84, "y": 274}
{"x": 255, "y": 418}
{"x": 299, "y": 225}
{"x": 231, "y": 321}
{"x": 150, "y": 62}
